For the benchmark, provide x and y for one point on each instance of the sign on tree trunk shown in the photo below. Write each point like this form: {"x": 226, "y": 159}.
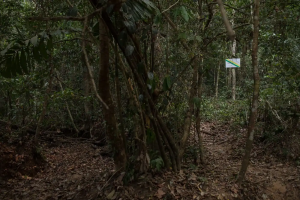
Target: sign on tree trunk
{"x": 233, "y": 63}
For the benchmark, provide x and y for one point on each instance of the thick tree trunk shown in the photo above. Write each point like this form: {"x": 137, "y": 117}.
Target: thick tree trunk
{"x": 133, "y": 61}
{"x": 112, "y": 130}
{"x": 118, "y": 92}
{"x": 140, "y": 134}
{"x": 253, "y": 115}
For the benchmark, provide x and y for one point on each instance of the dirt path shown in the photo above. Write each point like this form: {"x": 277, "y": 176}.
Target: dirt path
{"x": 267, "y": 178}
{"x": 76, "y": 170}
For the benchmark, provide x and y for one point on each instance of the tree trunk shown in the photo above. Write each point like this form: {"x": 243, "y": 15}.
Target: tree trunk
{"x": 87, "y": 92}
{"x": 198, "y": 114}
{"x": 133, "y": 61}
{"x": 217, "y": 80}
{"x": 42, "y": 116}
{"x": 112, "y": 130}
{"x": 118, "y": 92}
{"x": 253, "y": 115}
{"x": 243, "y": 64}
{"x": 233, "y": 51}
{"x": 233, "y": 84}
{"x": 188, "y": 117}
{"x": 140, "y": 134}
{"x": 230, "y": 31}
{"x": 229, "y": 77}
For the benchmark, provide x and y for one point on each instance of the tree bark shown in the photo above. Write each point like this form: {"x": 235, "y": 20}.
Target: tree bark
{"x": 233, "y": 51}
{"x": 233, "y": 72}
{"x": 198, "y": 114}
{"x": 188, "y": 117}
{"x": 46, "y": 101}
{"x": 253, "y": 115}
{"x": 133, "y": 61}
{"x": 87, "y": 92}
{"x": 112, "y": 130}
{"x": 118, "y": 92}
{"x": 217, "y": 81}
{"x": 230, "y": 31}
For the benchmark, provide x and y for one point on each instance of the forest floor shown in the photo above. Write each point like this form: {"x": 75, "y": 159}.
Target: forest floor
{"x": 76, "y": 170}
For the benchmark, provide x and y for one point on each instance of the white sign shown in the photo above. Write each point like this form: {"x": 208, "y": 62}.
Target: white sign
{"x": 233, "y": 63}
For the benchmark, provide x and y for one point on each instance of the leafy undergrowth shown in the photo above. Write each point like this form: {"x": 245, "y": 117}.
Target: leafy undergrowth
{"x": 76, "y": 169}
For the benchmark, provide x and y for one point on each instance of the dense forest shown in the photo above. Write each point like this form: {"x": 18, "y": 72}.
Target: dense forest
{"x": 149, "y": 99}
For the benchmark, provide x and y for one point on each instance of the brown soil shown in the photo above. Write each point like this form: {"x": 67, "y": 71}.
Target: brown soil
{"x": 75, "y": 169}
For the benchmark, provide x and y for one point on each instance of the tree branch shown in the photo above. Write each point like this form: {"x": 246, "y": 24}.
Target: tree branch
{"x": 170, "y": 7}
{"x": 219, "y": 34}
{"x": 230, "y": 31}
{"x": 70, "y": 18}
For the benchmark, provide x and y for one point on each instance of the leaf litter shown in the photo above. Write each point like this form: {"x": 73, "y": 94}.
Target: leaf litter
{"x": 76, "y": 170}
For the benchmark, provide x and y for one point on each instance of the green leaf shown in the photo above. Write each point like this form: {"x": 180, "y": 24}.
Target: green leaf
{"x": 29, "y": 63}
{"x": 5, "y": 73}
{"x": 36, "y": 54}
{"x": 153, "y": 85}
{"x": 3, "y": 52}
{"x": 198, "y": 38}
{"x": 23, "y": 62}
{"x": 73, "y": 11}
{"x": 158, "y": 19}
{"x": 167, "y": 83}
{"x": 141, "y": 67}
{"x": 95, "y": 29}
{"x": 131, "y": 27}
{"x": 43, "y": 34}
{"x": 129, "y": 50}
{"x": 184, "y": 13}
{"x": 197, "y": 102}
{"x": 42, "y": 48}
{"x": 27, "y": 42}
{"x": 56, "y": 33}
{"x": 150, "y": 75}
{"x": 49, "y": 44}
{"x": 17, "y": 66}
{"x": 182, "y": 36}
{"x": 34, "y": 40}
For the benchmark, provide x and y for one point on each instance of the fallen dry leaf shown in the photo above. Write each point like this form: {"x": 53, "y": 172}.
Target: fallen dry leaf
{"x": 160, "y": 193}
